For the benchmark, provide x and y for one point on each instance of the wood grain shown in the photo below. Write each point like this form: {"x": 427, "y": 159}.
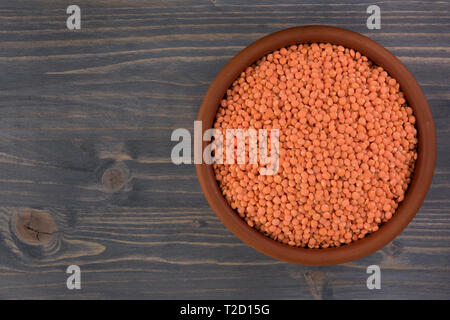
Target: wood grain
{"x": 78, "y": 105}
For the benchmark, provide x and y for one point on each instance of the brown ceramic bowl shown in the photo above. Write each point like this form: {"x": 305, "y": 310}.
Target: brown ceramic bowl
{"x": 426, "y": 146}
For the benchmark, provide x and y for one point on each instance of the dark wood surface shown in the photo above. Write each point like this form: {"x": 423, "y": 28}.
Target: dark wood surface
{"x": 85, "y": 170}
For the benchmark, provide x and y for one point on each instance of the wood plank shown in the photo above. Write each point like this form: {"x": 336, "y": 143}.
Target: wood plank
{"x": 74, "y": 104}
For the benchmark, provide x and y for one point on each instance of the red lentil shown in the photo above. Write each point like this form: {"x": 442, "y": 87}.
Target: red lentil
{"x": 347, "y": 145}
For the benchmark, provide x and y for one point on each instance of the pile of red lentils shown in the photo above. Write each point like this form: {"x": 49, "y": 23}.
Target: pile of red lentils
{"x": 347, "y": 145}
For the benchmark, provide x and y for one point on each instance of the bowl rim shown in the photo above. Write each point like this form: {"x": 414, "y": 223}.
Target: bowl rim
{"x": 424, "y": 167}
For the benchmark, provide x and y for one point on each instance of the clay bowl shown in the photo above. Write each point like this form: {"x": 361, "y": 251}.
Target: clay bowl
{"x": 424, "y": 166}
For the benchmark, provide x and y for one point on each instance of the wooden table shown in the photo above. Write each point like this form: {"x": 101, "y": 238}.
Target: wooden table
{"x": 85, "y": 170}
